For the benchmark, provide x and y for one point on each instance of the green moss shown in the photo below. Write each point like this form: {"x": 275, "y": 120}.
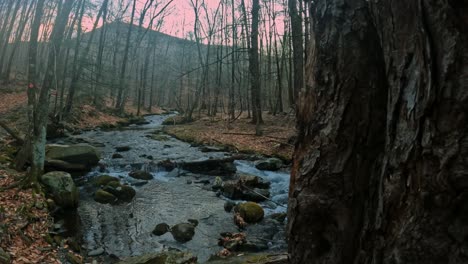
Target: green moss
{"x": 250, "y": 211}
{"x": 104, "y": 180}
{"x": 104, "y": 197}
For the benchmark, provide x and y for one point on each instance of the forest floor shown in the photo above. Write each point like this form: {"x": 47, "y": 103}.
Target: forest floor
{"x": 277, "y": 139}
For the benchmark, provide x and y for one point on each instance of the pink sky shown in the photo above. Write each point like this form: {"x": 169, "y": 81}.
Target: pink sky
{"x": 180, "y": 12}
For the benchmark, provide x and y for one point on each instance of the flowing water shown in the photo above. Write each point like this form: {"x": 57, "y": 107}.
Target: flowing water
{"x": 171, "y": 197}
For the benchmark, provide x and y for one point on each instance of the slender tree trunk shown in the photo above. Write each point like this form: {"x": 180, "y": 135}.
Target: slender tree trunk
{"x": 255, "y": 68}
{"x": 380, "y": 167}
{"x": 298, "y": 47}
{"x": 122, "y": 82}
{"x": 41, "y": 111}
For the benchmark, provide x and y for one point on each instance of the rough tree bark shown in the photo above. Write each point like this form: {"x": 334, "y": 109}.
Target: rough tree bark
{"x": 381, "y": 164}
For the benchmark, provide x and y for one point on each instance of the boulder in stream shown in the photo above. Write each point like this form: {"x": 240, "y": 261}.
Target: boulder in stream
{"x": 123, "y": 193}
{"x": 168, "y": 257}
{"x": 216, "y": 167}
{"x": 141, "y": 175}
{"x": 104, "y": 197}
{"x": 183, "y": 232}
{"x": 117, "y": 156}
{"x": 122, "y": 148}
{"x": 271, "y": 164}
{"x": 161, "y": 229}
{"x": 60, "y": 186}
{"x": 251, "y": 212}
{"x": 76, "y": 154}
{"x": 103, "y": 180}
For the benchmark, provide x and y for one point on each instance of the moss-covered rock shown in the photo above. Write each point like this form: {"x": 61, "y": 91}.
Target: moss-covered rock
{"x": 60, "y": 186}
{"x": 103, "y": 180}
{"x": 104, "y": 197}
{"x": 251, "y": 212}
{"x": 123, "y": 193}
{"x": 141, "y": 175}
{"x": 76, "y": 154}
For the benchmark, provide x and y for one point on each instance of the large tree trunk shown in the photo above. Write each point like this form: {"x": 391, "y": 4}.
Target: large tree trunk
{"x": 381, "y": 164}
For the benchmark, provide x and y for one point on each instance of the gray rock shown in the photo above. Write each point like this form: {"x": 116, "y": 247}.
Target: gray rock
{"x": 228, "y": 206}
{"x": 117, "y": 156}
{"x": 183, "y": 232}
{"x": 96, "y": 252}
{"x": 82, "y": 154}
{"x": 161, "y": 229}
{"x": 253, "y": 181}
{"x": 60, "y": 186}
{"x": 271, "y": 164}
{"x": 141, "y": 175}
{"x": 122, "y": 148}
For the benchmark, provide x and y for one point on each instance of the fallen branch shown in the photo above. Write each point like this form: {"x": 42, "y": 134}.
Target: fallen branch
{"x": 10, "y": 131}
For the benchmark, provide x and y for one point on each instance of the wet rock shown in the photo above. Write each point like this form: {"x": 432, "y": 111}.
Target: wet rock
{"x": 280, "y": 217}
{"x": 253, "y": 245}
{"x": 96, "y": 252}
{"x": 139, "y": 184}
{"x": 117, "y": 156}
{"x": 161, "y": 229}
{"x": 232, "y": 190}
{"x": 251, "y": 212}
{"x": 253, "y": 181}
{"x": 235, "y": 190}
{"x": 150, "y": 157}
{"x": 104, "y": 197}
{"x": 194, "y": 222}
{"x": 60, "y": 186}
{"x": 228, "y": 206}
{"x": 60, "y": 165}
{"x": 104, "y": 180}
{"x": 167, "y": 165}
{"x": 183, "y": 232}
{"x": 169, "y": 257}
{"x": 271, "y": 164}
{"x": 141, "y": 175}
{"x": 256, "y": 195}
{"x": 4, "y": 257}
{"x": 214, "y": 167}
{"x": 123, "y": 193}
{"x": 122, "y": 148}
{"x": 81, "y": 154}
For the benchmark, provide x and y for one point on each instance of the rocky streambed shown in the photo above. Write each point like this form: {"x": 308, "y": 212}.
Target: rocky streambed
{"x": 180, "y": 186}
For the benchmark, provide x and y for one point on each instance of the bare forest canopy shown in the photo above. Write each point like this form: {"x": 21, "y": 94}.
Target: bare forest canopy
{"x": 104, "y": 60}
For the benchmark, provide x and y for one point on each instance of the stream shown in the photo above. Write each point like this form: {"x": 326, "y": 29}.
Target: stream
{"x": 171, "y": 197}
